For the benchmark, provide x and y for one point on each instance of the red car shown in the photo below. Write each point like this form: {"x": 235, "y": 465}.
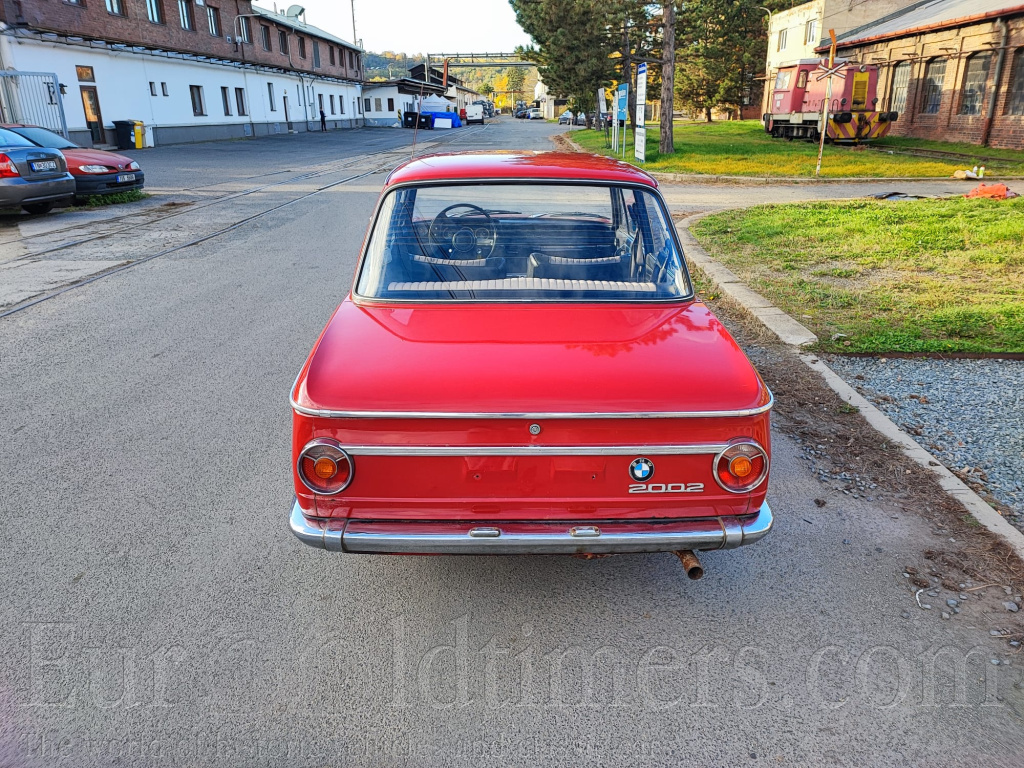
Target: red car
{"x": 96, "y": 171}
{"x": 522, "y": 366}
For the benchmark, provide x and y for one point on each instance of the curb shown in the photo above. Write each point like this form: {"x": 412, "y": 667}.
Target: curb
{"x": 700, "y": 178}
{"x": 794, "y": 335}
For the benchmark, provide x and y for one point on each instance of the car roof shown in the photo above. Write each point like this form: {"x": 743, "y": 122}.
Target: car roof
{"x": 514, "y": 166}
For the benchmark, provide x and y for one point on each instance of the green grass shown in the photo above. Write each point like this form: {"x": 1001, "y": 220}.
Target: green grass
{"x": 115, "y": 198}
{"x": 868, "y": 276}
{"x": 742, "y": 148}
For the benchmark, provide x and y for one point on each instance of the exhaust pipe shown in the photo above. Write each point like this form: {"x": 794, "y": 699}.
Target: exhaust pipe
{"x": 694, "y": 570}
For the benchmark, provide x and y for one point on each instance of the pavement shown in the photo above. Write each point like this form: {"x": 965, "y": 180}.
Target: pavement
{"x": 158, "y": 612}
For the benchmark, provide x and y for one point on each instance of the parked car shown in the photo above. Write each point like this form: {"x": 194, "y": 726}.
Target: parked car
{"x": 534, "y": 114}
{"x": 581, "y": 118}
{"x": 535, "y": 375}
{"x": 520, "y": 112}
{"x": 96, "y": 171}
{"x": 566, "y": 118}
{"x": 31, "y": 177}
{"x": 475, "y": 114}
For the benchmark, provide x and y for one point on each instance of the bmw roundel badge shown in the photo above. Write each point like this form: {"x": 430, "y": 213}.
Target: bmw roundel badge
{"x": 641, "y": 470}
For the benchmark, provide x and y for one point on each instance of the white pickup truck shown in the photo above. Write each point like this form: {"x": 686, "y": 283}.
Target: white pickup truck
{"x": 474, "y": 113}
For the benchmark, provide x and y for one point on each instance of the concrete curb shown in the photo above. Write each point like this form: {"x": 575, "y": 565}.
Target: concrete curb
{"x": 793, "y": 334}
{"x": 700, "y": 178}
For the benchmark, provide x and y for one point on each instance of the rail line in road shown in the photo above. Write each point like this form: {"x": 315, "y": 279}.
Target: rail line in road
{"x": 402, "y": 152}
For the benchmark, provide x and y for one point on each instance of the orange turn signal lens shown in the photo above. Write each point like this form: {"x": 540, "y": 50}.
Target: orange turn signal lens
{"x": 325, "y": 468}
{"x": 741, "y": 466}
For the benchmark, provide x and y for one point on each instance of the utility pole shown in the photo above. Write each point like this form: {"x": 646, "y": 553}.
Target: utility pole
{"x": 354, "y": 38}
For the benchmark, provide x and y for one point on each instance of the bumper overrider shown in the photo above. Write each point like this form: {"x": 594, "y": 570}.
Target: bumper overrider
{"x": 529, "y": 538}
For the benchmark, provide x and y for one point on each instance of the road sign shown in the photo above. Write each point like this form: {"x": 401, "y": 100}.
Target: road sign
{"x": 622, "y": 101}
{"x": 640, "y": 145}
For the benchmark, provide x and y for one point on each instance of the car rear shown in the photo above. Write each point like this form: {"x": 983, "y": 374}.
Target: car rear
{"x": 33, "y": 177}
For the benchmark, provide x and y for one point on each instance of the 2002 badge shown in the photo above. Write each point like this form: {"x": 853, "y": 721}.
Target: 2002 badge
{"x": 643, "y": 469}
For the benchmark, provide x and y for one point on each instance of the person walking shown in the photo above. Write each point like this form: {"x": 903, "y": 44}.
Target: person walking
{"x": 323, "y": 120}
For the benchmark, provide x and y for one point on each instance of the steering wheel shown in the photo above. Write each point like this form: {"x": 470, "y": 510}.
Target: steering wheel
{"x": 457, "y": 240}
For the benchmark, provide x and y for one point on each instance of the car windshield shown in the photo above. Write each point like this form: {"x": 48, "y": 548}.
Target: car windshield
{"x": 522, "y": 242}
{"x": 44, "y": 138}
{"x": 9, "y": 138}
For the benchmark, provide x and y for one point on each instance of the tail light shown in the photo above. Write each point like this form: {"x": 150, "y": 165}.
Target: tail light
{"x": 741, "y": 467}
{"x": 7, "y": 167}
{"x": 324, "y": 467}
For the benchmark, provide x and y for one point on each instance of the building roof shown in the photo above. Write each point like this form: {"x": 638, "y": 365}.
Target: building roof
{"x": 929, "y": 15}
{"x": 513, "y": 166}
{"x": 301, "y": 26}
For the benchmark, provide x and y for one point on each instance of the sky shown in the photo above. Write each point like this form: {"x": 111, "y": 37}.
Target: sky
{"x": 418, "y": 26}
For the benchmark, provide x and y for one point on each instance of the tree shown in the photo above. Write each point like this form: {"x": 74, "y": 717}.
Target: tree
{"x": 668, "y": 67}
{"x": 486, "y": 89}
{"x": 722, "y": 45}
{"x": 573, "y": 44}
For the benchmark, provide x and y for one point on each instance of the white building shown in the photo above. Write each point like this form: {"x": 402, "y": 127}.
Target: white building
{"x": 385, "y": 102}
{"x": 273, "y": 78}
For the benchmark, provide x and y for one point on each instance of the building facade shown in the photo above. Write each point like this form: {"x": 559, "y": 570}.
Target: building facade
{"x": 952, "y": 69}
{"x": 798, "y": 32}
{"x": 385, "y": 102}
{"x": 191, "y": 70}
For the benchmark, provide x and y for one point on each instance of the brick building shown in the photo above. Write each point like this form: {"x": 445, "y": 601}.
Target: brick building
{"x": 191, "y": 70}
{"x": 952, "y": 69}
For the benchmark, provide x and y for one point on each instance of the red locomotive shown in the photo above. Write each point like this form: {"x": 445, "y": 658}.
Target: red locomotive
{"x": 797, "y": 97}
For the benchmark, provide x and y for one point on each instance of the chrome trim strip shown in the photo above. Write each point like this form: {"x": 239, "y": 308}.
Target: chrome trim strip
{"x": 729, "y": 532}
{"x": 533, "y": 450}
{"x": 328, "y": 414}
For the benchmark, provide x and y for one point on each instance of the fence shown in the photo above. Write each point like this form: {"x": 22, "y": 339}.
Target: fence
{"x": 33, "y": 98}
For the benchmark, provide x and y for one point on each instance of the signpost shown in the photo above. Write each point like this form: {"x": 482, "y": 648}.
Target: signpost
{"x": 827, "y": 72}
{"x": 621, "y": 106}
{"x": 640, "y": 143}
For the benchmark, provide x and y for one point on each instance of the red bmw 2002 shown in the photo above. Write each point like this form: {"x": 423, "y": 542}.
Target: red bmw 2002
{"x": 522, "y": 367}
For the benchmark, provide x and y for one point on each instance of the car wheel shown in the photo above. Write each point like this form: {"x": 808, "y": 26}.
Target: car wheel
{"x": 38, "y": 208}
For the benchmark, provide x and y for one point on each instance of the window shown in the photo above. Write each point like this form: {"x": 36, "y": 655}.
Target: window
{"x": 358, "y": 61}
{"x": 270, "y": 96}
{"x": 1015, "y": 100}
{"x": 351, "y": 60}
{"x": 163, "y": 89}
{"x": 975, "y": 78}
{"x": 265, "y": 34}
{"x": 225, "y": 96}
{"x": 85, "y": 74}
{"x": 188, "y": 21}
{"x": 782, "y": 39}
{"x": 213, "y": 17}
{"x": 783, "y": 79}
{"x": 316, "y": 55}
{"x": 302, "y": 47}
{"x": 155, "y": 11}
{"x": 116, "y": 7}
{"x": 240, "y": 102}
{"x": 900, "y": 85}
{"x": 341, "y": 105}
{"x": 75, "y": 2}
{"x": 640, "y": 264}
{"x": 391, "y": 105}
{"x": 282, "y": 41}
{"x": 320, "y": 99}
{"x": 801, "y": 79}
{"x": 934, "y": 76}
{"x": 332, "y": 104}
{"x": 376, "y": 105}
{"x": 244, "y": 29}
{"x": 366, "y": 104}
{"x": 811, "y": 32}
{"x": 198, "y": 107}
{"x": 152, "y": 88}
{"x": 330, "y": 50}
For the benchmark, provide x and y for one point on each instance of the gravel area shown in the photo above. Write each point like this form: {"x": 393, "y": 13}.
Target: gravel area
{"x": 968, "y": 413}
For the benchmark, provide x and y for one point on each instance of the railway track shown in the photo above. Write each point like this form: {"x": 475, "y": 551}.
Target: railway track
{"x": 385, "y": 159}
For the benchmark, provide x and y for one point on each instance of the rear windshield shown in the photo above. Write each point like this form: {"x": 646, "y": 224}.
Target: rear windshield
{"x": 517, "y": 241}
{"x": 44, "y": 138}
{"x": 9, "y": 138}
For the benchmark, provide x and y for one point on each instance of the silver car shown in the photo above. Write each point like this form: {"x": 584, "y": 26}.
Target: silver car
{"x": 31, "y": 177}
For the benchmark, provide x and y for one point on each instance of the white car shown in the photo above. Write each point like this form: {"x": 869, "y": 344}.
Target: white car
{"x": 475, "y": 114}
{"x": 534, "y": 114}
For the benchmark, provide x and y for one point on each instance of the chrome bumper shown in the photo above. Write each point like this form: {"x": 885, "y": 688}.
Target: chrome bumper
{"x": 529, "y": 538}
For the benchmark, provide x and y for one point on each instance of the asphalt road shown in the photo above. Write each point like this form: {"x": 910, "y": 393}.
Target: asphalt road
{"x": 158, "y": 612}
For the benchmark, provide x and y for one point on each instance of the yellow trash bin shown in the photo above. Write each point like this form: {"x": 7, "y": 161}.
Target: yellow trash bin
{"x": 139, "y": 132}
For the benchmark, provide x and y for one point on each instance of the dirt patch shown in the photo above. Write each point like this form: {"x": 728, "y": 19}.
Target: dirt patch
{"x": 854, "y": 459}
